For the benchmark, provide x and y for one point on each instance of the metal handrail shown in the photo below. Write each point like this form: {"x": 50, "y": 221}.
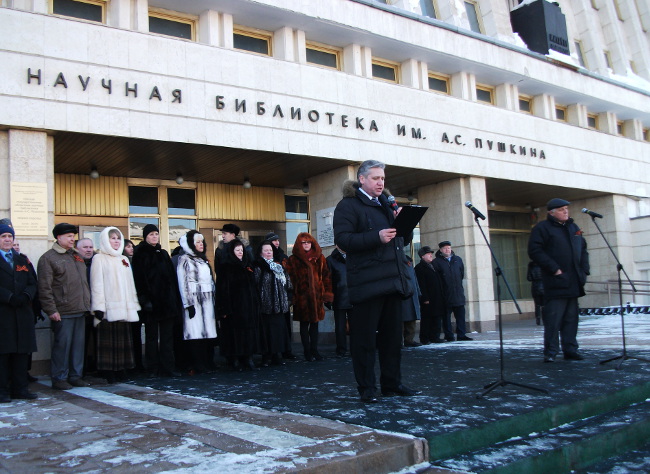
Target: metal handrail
{"x": 610, "y": 288}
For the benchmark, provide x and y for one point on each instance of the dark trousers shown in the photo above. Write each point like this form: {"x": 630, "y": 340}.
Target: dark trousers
{"x": 309, "y": 337}
{"x": 13, "y": 371}
{"x": 376, "y": 325}
{"x": 90, "y": 345}
{"x": 159, "y": 344}
{"x": 289, "y": 323}
{"x": 430, "y": 324}
{"x": 340, "y": 319}
{"x": 136, "y": 334}
{"x": 459, "y": 316}
{"x": 67, "y": 358}
{"x": 560, "y": 318}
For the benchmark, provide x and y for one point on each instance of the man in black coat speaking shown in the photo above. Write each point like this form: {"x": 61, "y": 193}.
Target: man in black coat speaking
{"x": 377, "y": 280}
{"x": 557, "y": 246}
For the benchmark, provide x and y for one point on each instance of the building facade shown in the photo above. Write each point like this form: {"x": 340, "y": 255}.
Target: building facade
{"x": 194, "y": 114}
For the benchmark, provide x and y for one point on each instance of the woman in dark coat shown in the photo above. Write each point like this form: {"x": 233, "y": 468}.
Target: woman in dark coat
{"x": 275, "y": 290}
{"x": 157, "y": 287}
{"x": 237, "y": 307}
{"x": 17, "y": 336}
{"x": 312, "y": 289}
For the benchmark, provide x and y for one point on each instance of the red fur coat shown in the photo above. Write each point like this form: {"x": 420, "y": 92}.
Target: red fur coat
{"x": 312, "y": 285}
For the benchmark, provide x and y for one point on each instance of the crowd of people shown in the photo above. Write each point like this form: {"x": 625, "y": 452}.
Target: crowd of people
{"x": 98, "y": 300}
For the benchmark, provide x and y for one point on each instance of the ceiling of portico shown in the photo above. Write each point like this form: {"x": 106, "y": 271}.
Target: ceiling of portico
{"x": 76, "y": 153}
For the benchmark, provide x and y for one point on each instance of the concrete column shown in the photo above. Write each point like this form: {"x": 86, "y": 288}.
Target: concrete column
{"x": 633, "y": 129}
{"x": 119, "y": 13}
{"x": 577, "y": 115}
{"x": 325, "y": 191}
{"x": 210, "y": 28}
{"x": 411, "y": 74}
{"x": 507, "y": 97}
{"x": 352, "y": 59}
{"x": 463, "y": 86}
{"x": 617, "y": 227}
{"x": 283, "y": 44}
{"x": 544, "y": 106}
{"x": 366, "y": 61}
{"x": 457, "y": 225}
{"x": 607, "y": 123}
{"x": 300, "y": 46}
{"x": 28, "y": 157}
{"x": 141, "y": 15}
{"x": 226, "y": 30}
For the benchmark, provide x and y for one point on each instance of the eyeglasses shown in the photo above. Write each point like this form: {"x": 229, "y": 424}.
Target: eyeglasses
{"x": 307, "y": 242}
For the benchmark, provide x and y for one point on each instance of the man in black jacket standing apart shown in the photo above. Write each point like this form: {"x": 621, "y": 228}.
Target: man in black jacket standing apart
{"x": 377, "y": 280}
{"x": 557, "y": 246}
{"x": 452, "y": 271}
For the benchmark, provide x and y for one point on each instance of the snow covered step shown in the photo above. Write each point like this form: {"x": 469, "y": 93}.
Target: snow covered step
{"x": 566, "y": 447}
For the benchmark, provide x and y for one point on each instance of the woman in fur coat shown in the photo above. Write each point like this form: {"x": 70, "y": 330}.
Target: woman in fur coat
{"x": 197, "y": 293}
{"x": 312, "y": 289}
{"x": 275, "y": 290}
{"x": 238, "y": 307}
{"x": 114, "y": 302}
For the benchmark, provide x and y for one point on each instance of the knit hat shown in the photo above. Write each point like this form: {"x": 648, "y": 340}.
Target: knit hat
{"x": 148, "y": 229}
{"x": 424, "y": 250}
{"x": 4, "y": 228}
{"x": 444, "y": 243}
{"x": 232, "y": 228}
{"x": 271, "y": 236}
{"x": 555, "y": 203}
{"x": 64, "y": 228}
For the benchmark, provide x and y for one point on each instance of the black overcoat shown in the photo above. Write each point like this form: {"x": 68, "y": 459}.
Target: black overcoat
{"x": 156, "y": 282}
{"x": 338, "y": 271}
{"x": 374, "y": 269}
{"x": 452, "y": 273}
{"x": 17, "y": 333}
{"x": 555, "y": 246}
{"x": 430, "y": 287}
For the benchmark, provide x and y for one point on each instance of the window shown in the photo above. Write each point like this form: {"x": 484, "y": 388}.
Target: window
{"x": 619, "y": 127}
{"x": 592, "y": 121}
{"x": 92, "y": 10}
{"x": 560, "y": 113}
{"x": 485, "y": 94}
{"x": 525, "y": 104}
{"x": 323, "y": 56}
{"x": 509, "y": 233}
{"x": 143, "y": 202}
{"x": 171, "y": 25}
{"x": 608, "y": 59}
{"x": 297, "y": 215}
{"x": 438, "y": 83}
{"x": 473, "y": 16}
{"x": 646, "y": 134}
{"x": 581, "y": 56}
{"x": 254, "y": 41}
{"x": 427, "y": 8}
{"x": 385, "y": 70}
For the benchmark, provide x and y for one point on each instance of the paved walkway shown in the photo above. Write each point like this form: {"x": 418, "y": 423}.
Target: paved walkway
{"x": 306, "y": 416}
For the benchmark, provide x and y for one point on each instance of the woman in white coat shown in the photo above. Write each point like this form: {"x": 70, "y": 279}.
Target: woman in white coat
{"x": 197, "y": 287}
{"x": 115, "y": 305}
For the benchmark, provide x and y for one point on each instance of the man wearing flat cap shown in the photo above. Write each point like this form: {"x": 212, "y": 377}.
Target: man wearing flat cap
{"x": 557, "y": 246}
{"x": 65, "y": 297}
{"x": 452, "y": 272}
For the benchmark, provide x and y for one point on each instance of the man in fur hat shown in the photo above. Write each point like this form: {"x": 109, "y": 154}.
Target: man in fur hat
{"x": 377, "y": 281}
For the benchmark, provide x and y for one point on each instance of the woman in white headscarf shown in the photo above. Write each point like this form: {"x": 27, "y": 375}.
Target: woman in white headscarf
{"x": 115, "y": 304}
{"x": 197, "y": 293}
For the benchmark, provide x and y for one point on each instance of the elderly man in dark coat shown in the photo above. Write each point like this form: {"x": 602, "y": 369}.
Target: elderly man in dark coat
{"x": 432, "y": 299}
{"x": 557, "y": 246}
{"x": 17, "y": 339}
{"x": 377, "y": 280}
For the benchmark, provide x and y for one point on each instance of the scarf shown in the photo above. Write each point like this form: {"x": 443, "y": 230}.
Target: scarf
{"x": 277, "y": 270}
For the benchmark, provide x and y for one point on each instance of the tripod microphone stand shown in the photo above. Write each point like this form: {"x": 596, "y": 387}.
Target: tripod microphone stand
{"x": 501, "y": 382}
{"x": 619, "y": 268}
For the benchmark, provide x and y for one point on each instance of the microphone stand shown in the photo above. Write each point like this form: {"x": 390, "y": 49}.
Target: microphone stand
{"x": 502, "y": 382}
{"x": 619, "y": 268}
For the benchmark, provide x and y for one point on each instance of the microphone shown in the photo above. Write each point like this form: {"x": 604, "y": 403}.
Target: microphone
{"x": 476, "y": 212}
{"x": 391, "y": 200}
{"x": 592, "y": 213}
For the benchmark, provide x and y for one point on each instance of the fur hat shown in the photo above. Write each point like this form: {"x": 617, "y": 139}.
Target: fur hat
{"x": 555, "y": 203}
{"x": 64, "y": 228}
{"x": 148, "y": 229}
{"x": 271, "y": 236}
{"x": 444, "y": 243}
{"x": 232, "y": 228}
{"x": 424, "y": 250}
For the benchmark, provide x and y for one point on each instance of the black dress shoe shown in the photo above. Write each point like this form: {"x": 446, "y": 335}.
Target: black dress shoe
{"x": 170, "y": 373}
{"x": 450, "y": 339}
{"x": 549, "y": 359}
{"x": 439, "y": 341}
{"x": 24, "y": 395}
{"x": 31, "y": 378}
{"x": 412, "y": 344}
{"x": 4, "y": 398}
{"x": 288, "y": 355}
{"x": 464, "y": 338}
{"x": 401, "y": 390}
{"x": 573, "y": 356}
{"x": 316, "y": 355}
{"x": 369, "y": 397}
